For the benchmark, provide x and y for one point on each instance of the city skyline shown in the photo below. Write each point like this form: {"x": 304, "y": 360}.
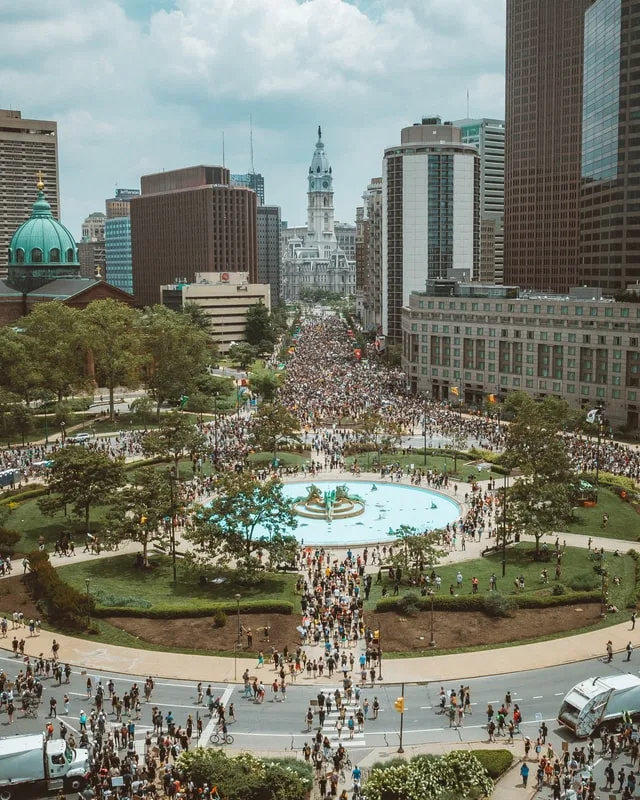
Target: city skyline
{"x": 170, "y": 77}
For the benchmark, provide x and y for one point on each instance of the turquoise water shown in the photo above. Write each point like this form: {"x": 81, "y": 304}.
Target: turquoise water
{"x": 387, "y": 506}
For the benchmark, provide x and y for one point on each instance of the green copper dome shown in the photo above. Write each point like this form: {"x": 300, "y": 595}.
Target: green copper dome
{"x": 42, "y": 244}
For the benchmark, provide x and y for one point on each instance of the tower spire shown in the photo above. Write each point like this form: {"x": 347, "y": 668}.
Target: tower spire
{"x": 319, "y": 133}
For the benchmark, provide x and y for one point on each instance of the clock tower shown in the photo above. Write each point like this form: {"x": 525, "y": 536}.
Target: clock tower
{"x": 320, "y": 228}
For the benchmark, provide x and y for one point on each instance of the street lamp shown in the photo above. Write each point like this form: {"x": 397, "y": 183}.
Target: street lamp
{"x": 215, "y": 430}
{"x": 504, "y": 524}
{"x": 379, "y": 651}
{"x": 424, "y": 427}
{"x": 88, "y": 581}
{"x": 172, "y": 512}
{"x": 432, "y": 641}
{"x": 603, "y": 585}
{"x": 238, "y": 602}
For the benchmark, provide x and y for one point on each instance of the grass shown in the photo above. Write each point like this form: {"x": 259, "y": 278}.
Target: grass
{"x": 369, "y": 461}
{"x": 575, "y": 562}
{"x": 624, "y": 521}
{"x": 285, "y": 459}
{"x": 118, "y": 577}
{"x": 28, "y": 520}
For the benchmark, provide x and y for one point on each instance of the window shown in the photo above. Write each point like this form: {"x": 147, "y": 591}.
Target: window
{"x": 19, "y": 256}
{"x": 572, "y": 338}
{"x": 36, "y": 255}
{"x": 564, "y": 310}
{"x": 579, "y": 311}
{"x": 571, "y": 389}
{"x": 624, "y": 312}
{"x": 421, "y": 304}
{"x": 70, "y": 254}
{"x": 593, "y": 312}
{"x": 615, "y": 393}
{"x": 54, "y": 256}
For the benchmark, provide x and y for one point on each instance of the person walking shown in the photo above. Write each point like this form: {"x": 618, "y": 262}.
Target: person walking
{"x": 609, "y": 651}
{"x": 629, "y": 649}
{"x": 633, "y": 620}
{"x": 524, "y": 773}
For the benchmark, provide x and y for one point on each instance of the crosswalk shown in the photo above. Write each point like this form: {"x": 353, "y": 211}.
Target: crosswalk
{"x": 329, "y": 728}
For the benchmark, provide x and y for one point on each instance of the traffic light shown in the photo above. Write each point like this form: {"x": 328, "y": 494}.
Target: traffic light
{"x": 376, "y": 637}
{"x": 399, "y": 705}
{"x": 143, "y": 519}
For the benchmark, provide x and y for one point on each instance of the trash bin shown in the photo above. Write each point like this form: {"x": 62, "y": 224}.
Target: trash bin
{"x": 516, "y": 538}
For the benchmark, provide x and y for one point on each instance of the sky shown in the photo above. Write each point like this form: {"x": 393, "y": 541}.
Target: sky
{"x": 138, "y": 86}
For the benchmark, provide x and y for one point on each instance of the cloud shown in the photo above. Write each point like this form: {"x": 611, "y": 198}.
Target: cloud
{"x": 141, "y": 85}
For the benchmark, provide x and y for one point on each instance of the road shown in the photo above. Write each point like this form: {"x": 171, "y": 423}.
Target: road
{"x": 280, "y": 725}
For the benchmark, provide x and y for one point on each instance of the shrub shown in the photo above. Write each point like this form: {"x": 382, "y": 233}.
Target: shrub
{"x": 18, "y": 495}
{"x": 219, "y": 619}
{"x": 62, "y": 604}
{"x": 409, "y": 605}
{"x": 497, "y": 605}
{"x": 558, "y": 589}
{"x": 204, "y": 610}
{"x": 584, "y": 582}
{"x": 8, "y": 541}
{"x": 496, "y": 762}
{"x": 619, "y": 482}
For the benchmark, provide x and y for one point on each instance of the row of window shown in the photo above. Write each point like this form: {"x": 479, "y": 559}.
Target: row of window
{"x": 524, "y": 308}
{"x": 36, "y": 256}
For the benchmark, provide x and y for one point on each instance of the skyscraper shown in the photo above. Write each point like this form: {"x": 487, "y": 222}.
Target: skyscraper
{"x": 369, "y": 257}
{"x": 431, "y": 214}
{"x": 610, "y": 194}
{"x": 250, "y": 180}
{"x": 27, "y": 147}
{"x": 269, "y": 253}
{"x": 542, "y": 152}
{"x": 488, "y": 136}
{"x": 117, "y": 229}
{"x": 91, "y": 252}
{"x": 190, "y": 220}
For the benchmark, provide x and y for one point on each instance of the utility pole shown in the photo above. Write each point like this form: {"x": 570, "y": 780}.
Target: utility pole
{"x": 504, "y": 525}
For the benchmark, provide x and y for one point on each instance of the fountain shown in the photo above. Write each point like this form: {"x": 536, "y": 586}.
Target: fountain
{"x": 333, "y": 504}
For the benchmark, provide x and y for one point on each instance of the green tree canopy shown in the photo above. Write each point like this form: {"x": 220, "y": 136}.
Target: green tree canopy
{"x": 177, "y": 351}
{"x": 272, "y": 425}
{"x": 417, "y": 550}
{"x": 20, "y": 372}
{"x": 175, "y": 437}
{"x": 55, "y": 343}
{"x": 265, "y": 383}
{"x": 112, "y": 336}
{"x": 141, "y": 510}
{"x": 243, "y": 354}
{"x": 83, "y": 478}
{"x": 228, "y": 528}
{"x": 259, "y": 330}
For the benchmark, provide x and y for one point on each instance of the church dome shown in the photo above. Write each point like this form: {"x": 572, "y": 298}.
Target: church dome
{"x": 42, "y": 241}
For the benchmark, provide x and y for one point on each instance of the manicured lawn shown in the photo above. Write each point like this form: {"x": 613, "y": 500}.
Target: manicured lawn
{"x": 118, "y": 582}
{"x": 624, "y": 521}
{"x": 368, "y": 462}
{"x": 575, "y": 562}
{"x": 285, "y": 459}
{"x": 28, "y": 520}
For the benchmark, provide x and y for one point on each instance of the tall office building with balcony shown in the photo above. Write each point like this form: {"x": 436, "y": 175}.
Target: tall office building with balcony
{"x": 431, "y": 214}
{"x": 27, "y": 147}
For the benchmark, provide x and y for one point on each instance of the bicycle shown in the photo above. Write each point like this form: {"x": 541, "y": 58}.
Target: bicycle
{"x": 220, "y": 738}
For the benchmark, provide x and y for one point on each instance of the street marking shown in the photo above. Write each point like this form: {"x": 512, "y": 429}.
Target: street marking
{"x": 558, "y": 694}
{"x": 537, "y": 697}
{"x": 203, "y": 741}
{"x": 422, "y": 708}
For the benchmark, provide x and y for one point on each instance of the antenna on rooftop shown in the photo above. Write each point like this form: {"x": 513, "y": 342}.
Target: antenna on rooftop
{"x": 468, "y": 104}
{"x": 252, "y": 170}
{"x": 223, "y": 163}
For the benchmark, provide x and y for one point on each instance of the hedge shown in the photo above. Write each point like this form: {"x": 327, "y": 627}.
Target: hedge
{"x": 62, "y": 604}
{"x": 615, "y": 482}
{"x": 496, "y": 762}
{"x": 160, "y": 612}
{"x": 19, "y": 495}
{"x": 476, "y": 602}
{"x": 634, "y": 599}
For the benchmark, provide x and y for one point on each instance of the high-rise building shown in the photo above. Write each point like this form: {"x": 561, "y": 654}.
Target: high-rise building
{"x": 269, "y": 253}
{"x": 117, "y": 230}
{"x": 314, "y": 260}
{"x": 190, "y": 220}
{"x": 91, "y": 250}
{"x": 610, "y": 194}
{"x": 27, "y": 147}
{"x": 369, "y": 257}
{"x": 346, "y": 238}
{"x": 362, "y": 245}
{"x": 250, "y": 180}
{"x": 120, "y": 205}
{"x": 431, "y": 214}
{"x": 544, "y": 72}
{"x": 488, "y": 137}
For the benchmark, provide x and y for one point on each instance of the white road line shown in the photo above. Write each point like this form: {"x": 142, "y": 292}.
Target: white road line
{"x": 423, "y": 708}
{"x": 203, "y": 741}
{"x": 558, "y": 694}
{"x": 537, "y": 697}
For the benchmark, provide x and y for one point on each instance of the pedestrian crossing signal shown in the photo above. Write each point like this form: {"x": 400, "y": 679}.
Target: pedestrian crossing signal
{"x": 399, "y": 705}
{"x": 492, "y": 398}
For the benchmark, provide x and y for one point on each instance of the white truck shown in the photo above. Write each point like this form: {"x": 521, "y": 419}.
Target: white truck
{"x": 600, "y": 703}
{"x": 29, "y": 762}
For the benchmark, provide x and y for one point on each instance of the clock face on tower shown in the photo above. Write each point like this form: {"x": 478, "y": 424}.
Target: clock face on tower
{"x": 325, "y": 184}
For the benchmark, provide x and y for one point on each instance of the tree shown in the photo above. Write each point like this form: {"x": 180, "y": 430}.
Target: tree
{"x": 55, "y": 342}
{"x": 113, "y": 339}
{"x": 245, "y": 518}
{"x": 83, "y": 478}
{"x": 141, "y": 510}
{"x": 20, "y": 373}
{"x": 273, "y": 424}
{"x": 142, "y": 409}
{"x": 417, "y": 550}
{"x": 22, "y": 420}
{"x": 258, "y": 329}
{"x": 217, "y": 387}
{"x": 540, "y": 499}
{"x": 197, "y": 316}
{"x": 177, "y": 351}
{"x": 243, "y": 354}
{"x": 175, "y": 436}
{"x": 265, "y": 383}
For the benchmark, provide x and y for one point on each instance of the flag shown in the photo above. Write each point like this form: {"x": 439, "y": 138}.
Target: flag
{"x": 492, "y": 398}
{"x": 454, "y": 390}
{"x": 594, "y": 415}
